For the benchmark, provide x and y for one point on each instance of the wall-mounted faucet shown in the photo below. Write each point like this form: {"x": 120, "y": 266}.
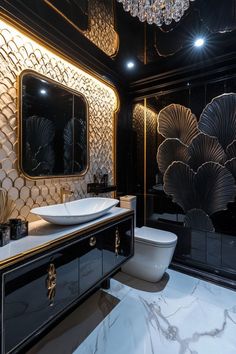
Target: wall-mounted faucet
{"x": 65, "y": 191}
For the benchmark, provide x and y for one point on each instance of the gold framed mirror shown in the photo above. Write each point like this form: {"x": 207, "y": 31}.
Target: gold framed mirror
{"x": 53, "y": 128}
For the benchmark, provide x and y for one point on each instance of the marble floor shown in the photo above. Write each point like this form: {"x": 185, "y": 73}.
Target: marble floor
{"x": 179, "y": 315}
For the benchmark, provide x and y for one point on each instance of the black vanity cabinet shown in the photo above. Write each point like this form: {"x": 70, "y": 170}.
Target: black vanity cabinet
{"x": 42, "y": 286}
{"x": 34, "y": 293}
{"x": 117, "y": 245}
{"x": 90, "y": 261}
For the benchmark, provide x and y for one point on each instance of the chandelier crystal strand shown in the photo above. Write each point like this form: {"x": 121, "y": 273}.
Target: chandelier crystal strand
{"x": 156, "y": 11}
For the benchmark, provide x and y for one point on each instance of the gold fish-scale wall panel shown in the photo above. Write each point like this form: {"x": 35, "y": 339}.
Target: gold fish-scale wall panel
{"x": 138, "y": 129}
{"x": 151, "y": 141}
{"x": 138, "y": 125}
{"x": 151, "y": 118}
{"x": 138, "y": 122}
{"x": 17, "y": 53}
{"x": 101, "y": 26}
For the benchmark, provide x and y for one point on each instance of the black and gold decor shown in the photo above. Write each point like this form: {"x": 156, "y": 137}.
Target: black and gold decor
{"x": 39, "y": 151}
{"x": 193, "y": 188}
{"x": 170, "y": 75}
{"x": 94, "y": 102}
{"x": 40, "y": 286}
{"x": 188, "y": 187}
{"x": 192, "y": 159}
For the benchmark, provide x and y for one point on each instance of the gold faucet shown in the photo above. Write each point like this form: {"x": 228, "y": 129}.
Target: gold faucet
{"x": 64, "y": 192}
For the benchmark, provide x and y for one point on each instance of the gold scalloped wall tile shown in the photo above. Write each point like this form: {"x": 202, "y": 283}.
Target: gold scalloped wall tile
{"x": 138, "y": 128}
{"x": 151, "y": 133}
{"x": 101, "y": 26}
{"x": 17, "y": 53}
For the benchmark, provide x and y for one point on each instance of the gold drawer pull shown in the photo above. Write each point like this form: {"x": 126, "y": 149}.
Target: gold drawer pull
{"x": 51, "y": 283}
{"x": 92, "y": 241}
{"x": 117, "y": 242}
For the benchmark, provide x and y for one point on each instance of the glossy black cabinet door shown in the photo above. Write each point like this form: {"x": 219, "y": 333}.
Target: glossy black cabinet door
{"x": 36, "y": 292}
{"x": 117, "y": 245}
{"x": 90, "y": 261}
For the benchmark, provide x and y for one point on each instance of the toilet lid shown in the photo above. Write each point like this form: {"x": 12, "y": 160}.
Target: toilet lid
{"x": 154, "y": 236}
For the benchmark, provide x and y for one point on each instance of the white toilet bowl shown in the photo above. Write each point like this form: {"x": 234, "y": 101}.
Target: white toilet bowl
{"x": 153, "y": 252}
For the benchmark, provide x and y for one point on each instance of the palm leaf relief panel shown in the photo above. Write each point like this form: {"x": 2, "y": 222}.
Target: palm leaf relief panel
{"x": 198, "y": 160}
{"x": 219, "y": 119}
{"x": 176, "y": 121}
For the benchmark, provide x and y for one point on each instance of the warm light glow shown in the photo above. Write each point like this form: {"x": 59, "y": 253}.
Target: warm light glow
{"x": 130, "y": 65}
{"x": 199, "y": 42}
{"x": 31, "y": 46}
{"x": 20, "y": 52}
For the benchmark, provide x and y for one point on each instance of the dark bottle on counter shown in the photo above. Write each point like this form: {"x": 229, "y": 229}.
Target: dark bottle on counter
{"x": 19, "y": 228}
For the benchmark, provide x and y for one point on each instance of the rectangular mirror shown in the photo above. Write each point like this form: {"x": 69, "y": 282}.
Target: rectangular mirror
{"x": 53, "y": 122}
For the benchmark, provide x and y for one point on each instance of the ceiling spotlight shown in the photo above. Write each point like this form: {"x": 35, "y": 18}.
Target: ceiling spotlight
{"x": 130, "y": 64}
{"x": 199, "y": 42}
{"x": 43, "y": 92}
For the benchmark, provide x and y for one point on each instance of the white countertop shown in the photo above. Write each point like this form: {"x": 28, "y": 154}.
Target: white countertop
{"x": 41, "y": 232}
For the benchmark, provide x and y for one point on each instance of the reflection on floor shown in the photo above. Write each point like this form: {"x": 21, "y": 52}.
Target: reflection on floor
{"x": 180, "y": 315}
{"x": 75, "y": 328}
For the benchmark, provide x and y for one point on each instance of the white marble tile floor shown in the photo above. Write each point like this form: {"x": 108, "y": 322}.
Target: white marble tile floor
{"x": 179, "y": 315}
{"x": 188, "y": 316}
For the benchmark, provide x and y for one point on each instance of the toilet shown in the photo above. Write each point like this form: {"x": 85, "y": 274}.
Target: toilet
{"x": 153, "y": 250}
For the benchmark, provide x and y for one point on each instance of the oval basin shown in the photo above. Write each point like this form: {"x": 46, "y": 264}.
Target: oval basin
{"x": 76, "y": 212}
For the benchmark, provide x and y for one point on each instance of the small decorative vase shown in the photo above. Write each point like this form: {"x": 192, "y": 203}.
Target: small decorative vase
{"x": 4, "y": 234}
{"x": 19, "y": 228}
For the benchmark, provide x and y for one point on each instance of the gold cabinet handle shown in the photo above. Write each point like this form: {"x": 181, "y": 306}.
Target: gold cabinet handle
{"x": 92, "y": 241}
{"x": 117, "y": 242}
{"x": 51, "y": 283}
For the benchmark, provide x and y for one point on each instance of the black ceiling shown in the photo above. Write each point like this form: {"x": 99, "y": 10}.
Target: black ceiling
{"x": 167, "y": 48}
{"x": 172, "y": 47}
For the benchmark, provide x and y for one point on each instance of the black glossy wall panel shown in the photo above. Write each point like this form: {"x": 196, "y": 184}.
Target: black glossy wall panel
{"x": 212, "y": 251}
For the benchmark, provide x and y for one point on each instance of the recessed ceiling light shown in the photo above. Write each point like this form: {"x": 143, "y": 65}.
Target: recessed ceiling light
{"x": 199, "y": 42}
{"x": 43, "y": 92}
{"x": 130, "y": 64}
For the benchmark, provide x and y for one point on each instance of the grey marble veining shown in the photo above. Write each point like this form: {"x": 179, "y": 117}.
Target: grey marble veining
{"x": 75, "y": 328}
{"x": 179, "y": 315}
{"x": 183, "y": 315}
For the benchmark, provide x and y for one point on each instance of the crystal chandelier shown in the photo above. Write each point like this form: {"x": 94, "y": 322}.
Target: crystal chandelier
{"x": 156, "y": 11}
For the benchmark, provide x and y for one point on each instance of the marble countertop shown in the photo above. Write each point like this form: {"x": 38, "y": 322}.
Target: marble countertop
{"x": 41, "y": 233}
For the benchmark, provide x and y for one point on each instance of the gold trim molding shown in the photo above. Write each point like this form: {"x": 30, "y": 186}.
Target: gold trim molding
{"x": 70, "y": 236}
{"x": 101, "y": 31}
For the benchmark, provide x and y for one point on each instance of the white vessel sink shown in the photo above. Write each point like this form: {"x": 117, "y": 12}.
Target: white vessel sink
{"x": 76, "y": 212}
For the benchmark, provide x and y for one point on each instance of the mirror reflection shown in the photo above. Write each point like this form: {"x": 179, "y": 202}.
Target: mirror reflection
{"x": 53, "y": 128}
